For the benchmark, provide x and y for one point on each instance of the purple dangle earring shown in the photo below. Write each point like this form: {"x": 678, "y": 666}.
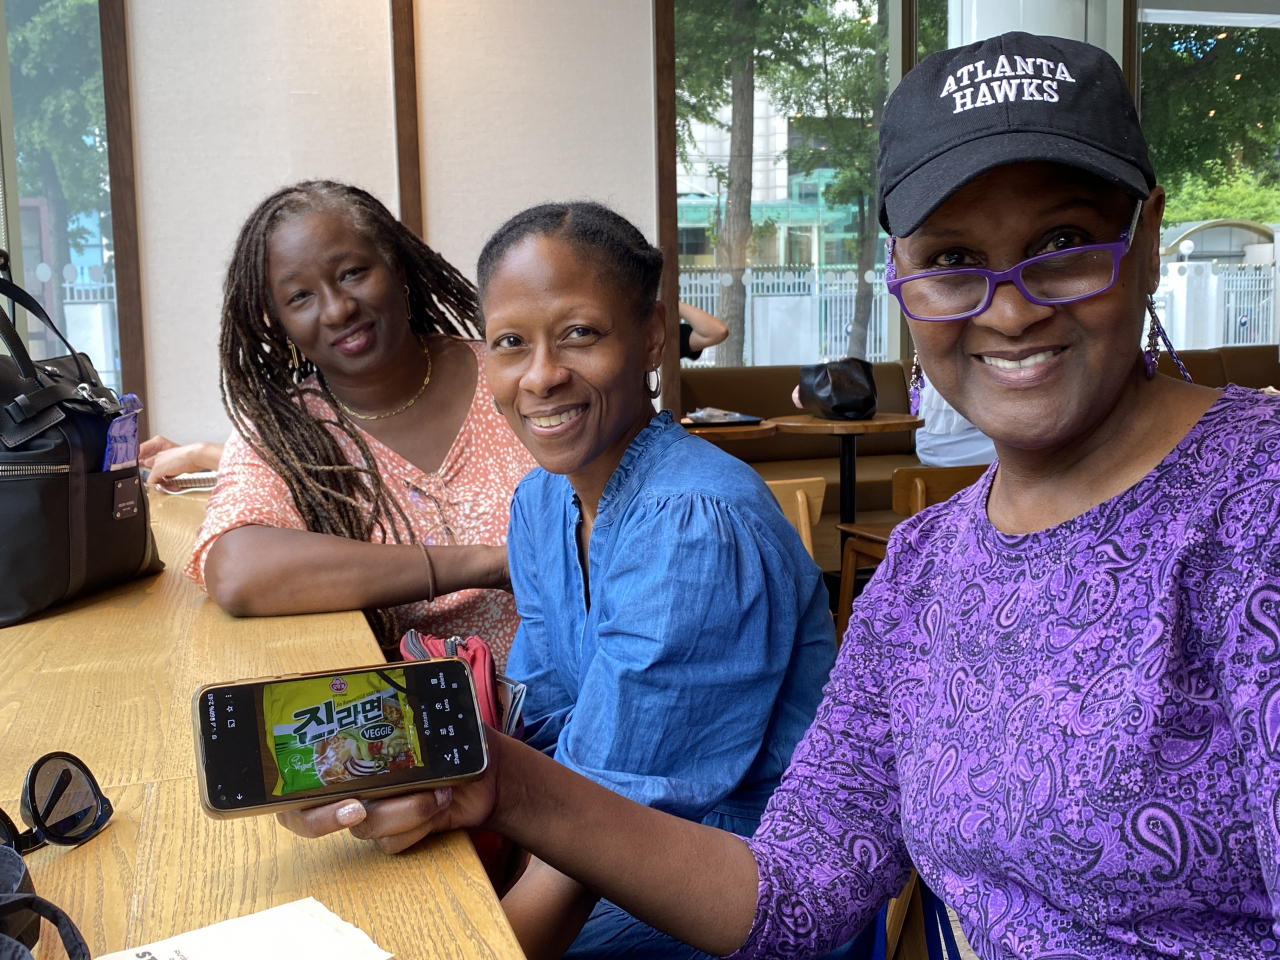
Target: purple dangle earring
{"x": 916, "y": 385}
{"x": 1155, "y": 337}
{"x": 1151, "y": 356}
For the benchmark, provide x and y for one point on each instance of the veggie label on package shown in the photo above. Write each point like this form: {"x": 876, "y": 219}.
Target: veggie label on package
{"x": 331, "y": 729}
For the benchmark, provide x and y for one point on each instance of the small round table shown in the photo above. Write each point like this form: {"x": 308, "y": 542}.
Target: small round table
{"x": 729, "y": 431}
{"x": 848, "y": 432}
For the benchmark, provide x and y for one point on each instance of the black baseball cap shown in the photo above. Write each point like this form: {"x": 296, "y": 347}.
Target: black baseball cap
{"x": 1009, "y": 99}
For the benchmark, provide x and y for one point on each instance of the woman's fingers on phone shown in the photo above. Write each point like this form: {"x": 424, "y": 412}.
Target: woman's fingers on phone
{"x": 321, "y": 821}
{"x": 403, "y": 841}
{"x": 401, "y": 817}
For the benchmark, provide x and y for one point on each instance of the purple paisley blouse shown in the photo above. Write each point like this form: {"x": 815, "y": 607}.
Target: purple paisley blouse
{"x": 1073, "y": 734}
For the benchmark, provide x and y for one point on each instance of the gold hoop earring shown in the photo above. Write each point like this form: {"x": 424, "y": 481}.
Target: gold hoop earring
{"x": 293, "y": 357}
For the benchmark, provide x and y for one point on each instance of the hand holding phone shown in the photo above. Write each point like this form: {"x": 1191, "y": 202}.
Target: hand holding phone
{"x": 397, "y": 823}
{"x": 291, "y": 742}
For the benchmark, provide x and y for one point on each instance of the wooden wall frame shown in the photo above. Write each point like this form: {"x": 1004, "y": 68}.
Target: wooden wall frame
{"x": 122, "y": 174}
{"x": 664, "y": 74}
{"x": 1131, "y": 38}
{"x": 910, "y": 19}
{"x": 404, "y": 71}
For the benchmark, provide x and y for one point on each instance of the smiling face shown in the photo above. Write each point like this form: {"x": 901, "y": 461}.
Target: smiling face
{"x": 1034, "y": 377}
{"x": 339, "y": 301}
{"x": 568, "y": 356}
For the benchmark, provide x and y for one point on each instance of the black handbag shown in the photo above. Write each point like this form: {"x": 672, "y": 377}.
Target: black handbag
{"x": 21, "y": 910}
{"x": 67, "y": 528}
{"x": 838, "y": 390}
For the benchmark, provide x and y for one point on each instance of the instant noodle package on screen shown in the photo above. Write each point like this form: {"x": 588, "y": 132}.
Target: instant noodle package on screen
{"x": 329, "y": 730}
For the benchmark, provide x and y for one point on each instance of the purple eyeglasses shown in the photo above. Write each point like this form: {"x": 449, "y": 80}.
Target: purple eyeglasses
{"x": 1051, "y": 278}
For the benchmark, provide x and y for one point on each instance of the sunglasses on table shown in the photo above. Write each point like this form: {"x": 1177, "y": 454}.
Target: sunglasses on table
{"x": 61, "y": 804}
{"x": 1063, "y": 276}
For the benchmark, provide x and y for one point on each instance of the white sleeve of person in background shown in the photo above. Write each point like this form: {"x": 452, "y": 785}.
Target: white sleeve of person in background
{"x": 948, "y": 439}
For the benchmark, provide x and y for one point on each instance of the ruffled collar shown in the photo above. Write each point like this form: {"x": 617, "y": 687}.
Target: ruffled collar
{"x": 661, "y": 431}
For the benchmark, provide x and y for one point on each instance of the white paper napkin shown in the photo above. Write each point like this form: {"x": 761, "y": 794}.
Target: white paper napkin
{"x": 302, "y": 930}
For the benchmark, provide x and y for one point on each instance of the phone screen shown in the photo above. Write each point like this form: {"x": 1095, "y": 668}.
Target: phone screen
{"x": 289, "y": 740}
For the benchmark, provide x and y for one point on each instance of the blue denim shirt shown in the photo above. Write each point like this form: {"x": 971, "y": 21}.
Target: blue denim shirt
{"x": 698, "y": 664}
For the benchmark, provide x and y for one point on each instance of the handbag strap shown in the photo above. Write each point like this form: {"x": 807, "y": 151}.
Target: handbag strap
{"x": 10, "y": 333}
{"x": 72, "y": 941}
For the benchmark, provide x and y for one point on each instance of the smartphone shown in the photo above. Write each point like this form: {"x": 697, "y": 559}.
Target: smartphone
{"x": 283, "y": 743}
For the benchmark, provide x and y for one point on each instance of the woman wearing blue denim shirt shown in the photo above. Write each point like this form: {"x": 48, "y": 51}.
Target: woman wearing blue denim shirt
{"x": 674, "y": 635}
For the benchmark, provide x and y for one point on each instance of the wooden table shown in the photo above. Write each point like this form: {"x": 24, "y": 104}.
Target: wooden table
{"x": 110, "y": 679}
{"x": 719, "y": 432}
{"x": 848, "y": 431}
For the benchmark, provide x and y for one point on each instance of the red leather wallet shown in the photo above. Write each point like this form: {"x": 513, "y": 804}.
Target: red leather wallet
{"x": 494, "y": 851}
{"x": 473, "y": 650}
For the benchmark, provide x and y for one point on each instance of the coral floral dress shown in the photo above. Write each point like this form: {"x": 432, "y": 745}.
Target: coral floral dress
{"x": 466, "y": 501}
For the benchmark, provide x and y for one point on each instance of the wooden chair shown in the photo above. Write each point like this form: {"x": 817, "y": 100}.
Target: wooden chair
{"x": 914, "y": 488}
{"x": 801, "y": 502}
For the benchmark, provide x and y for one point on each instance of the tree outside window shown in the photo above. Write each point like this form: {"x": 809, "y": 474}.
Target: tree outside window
{"x": 794, "y": 89}
{"x": 59, "y": 120}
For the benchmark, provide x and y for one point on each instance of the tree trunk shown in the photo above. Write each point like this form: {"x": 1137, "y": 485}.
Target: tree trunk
{"x": 59, "y": 242}
{"x": 731, "y": 255}
{"x": 865, "y": 254}
{"x": 868, "y": 203}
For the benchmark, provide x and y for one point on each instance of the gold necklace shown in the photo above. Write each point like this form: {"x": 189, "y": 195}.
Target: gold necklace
{"x": 382, "y": 416}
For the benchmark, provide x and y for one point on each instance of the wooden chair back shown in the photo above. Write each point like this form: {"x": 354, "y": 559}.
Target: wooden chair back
{"x": 801, "y": 502}
{"x": 915, "y": 488}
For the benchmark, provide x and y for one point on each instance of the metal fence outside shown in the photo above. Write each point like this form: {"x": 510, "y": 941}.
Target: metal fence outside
{"x": 1249, "y": 304}
{"x": 89, "y": 292}
{"x": 834, "y": 291}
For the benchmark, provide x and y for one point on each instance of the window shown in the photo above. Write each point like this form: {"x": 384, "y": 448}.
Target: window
{"x": 55, "y": 130}
{"x": 1211, "y": 113}
{"x": 778, "y": 112}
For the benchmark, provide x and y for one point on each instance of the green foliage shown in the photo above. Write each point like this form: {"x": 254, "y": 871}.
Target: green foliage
{"x": 1241, "y": 196}
{"x": 1211, "y": 113}
{"x": 835, "y": 92}
{"x": 931, "y": 27}
{"x": 711, "y": 35}
{"x": 55, "y": 69}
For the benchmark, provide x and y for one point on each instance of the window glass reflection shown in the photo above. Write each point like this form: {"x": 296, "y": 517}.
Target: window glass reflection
{"x": 779, "y": 110}
{"x": 1211, "y": 113}
{"x": 59, "y": 122}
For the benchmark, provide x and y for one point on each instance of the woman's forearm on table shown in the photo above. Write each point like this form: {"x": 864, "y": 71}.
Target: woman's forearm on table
{"x": 256, "y": 571}
{"x": 691, "y": 881}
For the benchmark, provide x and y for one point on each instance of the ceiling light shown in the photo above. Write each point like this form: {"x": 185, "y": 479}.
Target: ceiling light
{"x": 1239, "y": 75}
{"x": 1221, "y": 36}
{"x": 1212, "y": 112}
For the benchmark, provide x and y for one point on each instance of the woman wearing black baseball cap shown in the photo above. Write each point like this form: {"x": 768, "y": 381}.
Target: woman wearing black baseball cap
{"x": 1059, "y": 697}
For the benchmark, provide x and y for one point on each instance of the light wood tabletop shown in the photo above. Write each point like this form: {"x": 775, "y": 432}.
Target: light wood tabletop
{"x": 880, "y": 423}
{"x": 110, "y": 679}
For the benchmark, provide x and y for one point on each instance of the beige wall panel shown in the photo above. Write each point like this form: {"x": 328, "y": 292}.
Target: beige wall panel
{"x": 525, "y": 101}
{"x": 232, "y": 99}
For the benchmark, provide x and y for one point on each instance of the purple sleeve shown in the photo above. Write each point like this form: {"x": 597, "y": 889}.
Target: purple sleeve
{"x": 1248, "y": 667}
{"x": 829, "y": 849}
